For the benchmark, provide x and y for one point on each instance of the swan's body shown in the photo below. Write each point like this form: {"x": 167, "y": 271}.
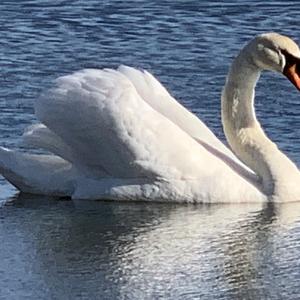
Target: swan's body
{"x": 118, "y": 134}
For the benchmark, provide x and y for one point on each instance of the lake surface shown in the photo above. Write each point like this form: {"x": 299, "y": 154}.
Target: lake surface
{"x": 57, "y": 249}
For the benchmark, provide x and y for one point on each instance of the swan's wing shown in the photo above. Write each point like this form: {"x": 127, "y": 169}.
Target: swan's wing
{"x": 110, "y": 128}
{"x": 156, "y": 95}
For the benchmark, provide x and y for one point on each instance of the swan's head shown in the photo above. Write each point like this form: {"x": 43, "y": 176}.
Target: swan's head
{"x": 279, "y": 53}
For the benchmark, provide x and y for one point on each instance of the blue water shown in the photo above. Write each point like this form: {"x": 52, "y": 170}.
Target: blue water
{"x": 54, "y": 249}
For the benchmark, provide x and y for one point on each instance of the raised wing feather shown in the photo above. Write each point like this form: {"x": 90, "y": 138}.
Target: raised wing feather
{"x": 155, "y": 94}
{"x": 110, "y": 128}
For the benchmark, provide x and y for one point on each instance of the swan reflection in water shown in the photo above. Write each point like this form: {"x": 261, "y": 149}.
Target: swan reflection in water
{"x": 145, "y": 250}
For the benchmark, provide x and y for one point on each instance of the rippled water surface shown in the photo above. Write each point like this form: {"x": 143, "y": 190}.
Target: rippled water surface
{"x": 54, "y": 249}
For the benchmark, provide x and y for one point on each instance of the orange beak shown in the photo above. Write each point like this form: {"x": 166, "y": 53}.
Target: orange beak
{"x": 292, "y": 70}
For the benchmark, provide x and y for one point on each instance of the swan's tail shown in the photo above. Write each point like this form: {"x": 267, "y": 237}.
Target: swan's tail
{"x": 37, "y": 174}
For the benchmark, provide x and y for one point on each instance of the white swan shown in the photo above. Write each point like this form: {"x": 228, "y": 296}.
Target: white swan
{"x": 118, "y": 134}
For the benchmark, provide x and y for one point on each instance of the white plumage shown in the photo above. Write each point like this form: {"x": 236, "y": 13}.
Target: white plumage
{"x": 118, "y": 134}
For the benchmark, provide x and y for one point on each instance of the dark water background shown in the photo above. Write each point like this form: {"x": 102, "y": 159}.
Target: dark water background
{"x": 54, "y": 249}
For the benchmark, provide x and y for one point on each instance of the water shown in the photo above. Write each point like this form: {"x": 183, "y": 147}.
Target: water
{"x": 53, "y": 249}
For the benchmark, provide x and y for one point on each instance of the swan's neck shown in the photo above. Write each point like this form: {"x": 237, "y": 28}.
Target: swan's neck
{"x": 245, "y": 135}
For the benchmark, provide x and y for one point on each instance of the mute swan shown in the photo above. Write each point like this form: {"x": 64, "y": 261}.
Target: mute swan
{"x": 118, "y": 134}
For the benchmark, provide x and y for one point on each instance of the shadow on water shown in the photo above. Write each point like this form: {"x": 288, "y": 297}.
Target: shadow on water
{"x": 144, "y": 251}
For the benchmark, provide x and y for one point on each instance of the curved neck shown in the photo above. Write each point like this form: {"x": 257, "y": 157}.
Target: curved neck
{"x": 244, "y": 133}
